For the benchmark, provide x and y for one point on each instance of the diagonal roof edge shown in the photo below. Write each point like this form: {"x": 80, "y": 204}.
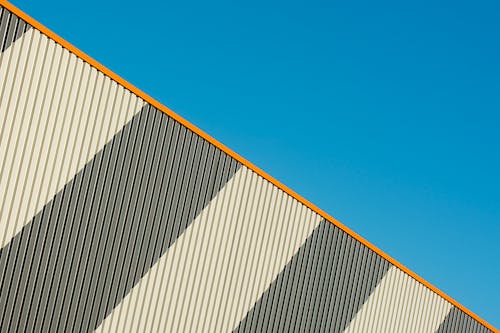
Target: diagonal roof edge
{"x": 73, "y": 49}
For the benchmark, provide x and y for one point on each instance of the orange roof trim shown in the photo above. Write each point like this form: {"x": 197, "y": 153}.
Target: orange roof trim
{"x": 37, "y": 25}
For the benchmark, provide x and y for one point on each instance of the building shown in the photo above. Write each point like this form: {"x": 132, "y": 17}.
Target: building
{"x": 118, "y": 215}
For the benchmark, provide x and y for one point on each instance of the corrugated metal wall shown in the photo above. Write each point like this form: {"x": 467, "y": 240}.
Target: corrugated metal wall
{"x": 116, "y": 217}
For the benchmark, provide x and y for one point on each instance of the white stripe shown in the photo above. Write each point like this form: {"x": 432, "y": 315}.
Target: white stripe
{"x": 56, "y": 113}
{"x": 400, "y": 304}
{"x": 223, "y": 262}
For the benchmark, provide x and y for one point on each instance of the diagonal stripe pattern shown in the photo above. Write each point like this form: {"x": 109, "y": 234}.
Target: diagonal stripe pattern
{"x": 321, "y": 288}
{"x": 118, "y": 216}
{"x": 221, "y": 265}
{"x": 75, "y": 261}
{"x": 400, "y": 304}
{"x": 56, "y": 113}
{"x": 458, "y": 322}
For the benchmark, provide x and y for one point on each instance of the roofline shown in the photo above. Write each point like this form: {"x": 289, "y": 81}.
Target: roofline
{"x": 73, "y": 49}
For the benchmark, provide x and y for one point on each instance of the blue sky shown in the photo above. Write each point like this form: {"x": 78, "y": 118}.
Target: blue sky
{"x": 385, "y": 114}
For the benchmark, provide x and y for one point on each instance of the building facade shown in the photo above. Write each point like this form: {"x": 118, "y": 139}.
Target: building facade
{"x": 118, "y": 215}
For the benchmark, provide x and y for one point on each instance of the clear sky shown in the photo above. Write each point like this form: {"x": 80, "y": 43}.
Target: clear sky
{"x": 386, "y": 114}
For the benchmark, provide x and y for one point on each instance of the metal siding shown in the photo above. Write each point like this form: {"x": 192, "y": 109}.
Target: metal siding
{"x": 211, "y": 276}
{"x": 400, "y": 304}
{"x": 300, "y": 296}
{"x": 458, "y": 322}
{"x": 112, "y": 223}
{"x": 123, "y": 219}
{"x": 56, "y": 113}
{"x": 11, "y": 28}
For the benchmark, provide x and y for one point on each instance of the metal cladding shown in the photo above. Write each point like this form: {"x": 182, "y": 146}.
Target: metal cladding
{"x": 117, "y": 216}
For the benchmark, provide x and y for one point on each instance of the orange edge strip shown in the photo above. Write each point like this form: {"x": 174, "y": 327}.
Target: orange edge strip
{"x": 37, "y": 25}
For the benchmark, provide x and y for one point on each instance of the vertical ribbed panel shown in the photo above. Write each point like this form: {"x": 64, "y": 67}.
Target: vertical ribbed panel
{"x": 400, "y": 304}
{"x": 213, "y": 274}
{"x": 56, "y": 113}
{"x": 69, "y": 267}
{"x": 122, "y": 221}
{"x": 321, "y": 288}
{"x": 11, "y": 28}
{"x": 458, "y": 322}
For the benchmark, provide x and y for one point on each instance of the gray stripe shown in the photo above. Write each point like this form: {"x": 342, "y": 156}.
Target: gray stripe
{"x": 459, "y": 322}
{"x": 74, "y": 262}
{"x": 11, "y": 28}
{"x": 321, "y": 288}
